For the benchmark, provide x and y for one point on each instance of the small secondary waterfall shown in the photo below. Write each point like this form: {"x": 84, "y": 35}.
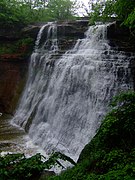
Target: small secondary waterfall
{"x": 66, "y": 96}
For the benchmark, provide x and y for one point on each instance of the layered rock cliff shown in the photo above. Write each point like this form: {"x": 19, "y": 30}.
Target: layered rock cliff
{"x": 16, "y": 46}
{"x": 14, "y": 57}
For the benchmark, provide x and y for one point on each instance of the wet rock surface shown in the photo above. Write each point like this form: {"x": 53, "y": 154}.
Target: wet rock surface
{"x": 12, "y": 80}
{"x": 9, "y": 135}
{"x": 14, "y": 139}
{"x": 120, "y": 37}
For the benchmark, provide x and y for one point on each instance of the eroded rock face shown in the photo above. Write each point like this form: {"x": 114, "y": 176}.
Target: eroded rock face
{"x": 14, "y": 59}
{"x": 67, "y": 33}
{"x": 14, "y": 64}
{"x": 12, "y": 80}
{"x": 120, "y": 38}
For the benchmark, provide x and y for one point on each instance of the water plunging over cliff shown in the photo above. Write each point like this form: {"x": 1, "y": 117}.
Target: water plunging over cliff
{"x": 66, "y": 97}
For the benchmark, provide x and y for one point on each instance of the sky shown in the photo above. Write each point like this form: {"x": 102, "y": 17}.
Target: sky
{"x": 85, "y": 1}
{"x": 82, "y": 11}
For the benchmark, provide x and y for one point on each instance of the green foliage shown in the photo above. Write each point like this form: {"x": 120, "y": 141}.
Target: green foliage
{"x": 123, "y": 10}
{"x": 16, "y": 12}
{"x": 120, "y": 6}
{"x": 109, "y": 156}
{"x": 25, "y": 42}
{"x": 21, "y": 48}
{"x": 101, "y": 11}
{"x": 119, "y": 125}
{"x": 78, "y": 172}
{"x": 11, "y": 13}
{"x": 111, "y": 153}
{"x": 130, "y": 21}
{"x": 60, "y": 10}
{"x": 17, "y": 166}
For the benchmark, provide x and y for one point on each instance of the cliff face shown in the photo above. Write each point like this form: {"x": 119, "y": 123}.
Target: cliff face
{"x": 16, "y": 45}
{"x": 12, "y": 80}
{"x": 14, "y": 58}
{"x": 122, "y": 40}
{"x": 120, "y": 37}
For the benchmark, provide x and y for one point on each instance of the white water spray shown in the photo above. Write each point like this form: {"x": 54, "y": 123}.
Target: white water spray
{"x": 64, "y": 102}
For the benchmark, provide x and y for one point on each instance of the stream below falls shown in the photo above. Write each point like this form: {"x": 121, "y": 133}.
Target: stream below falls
{"x": 14, "y": 139}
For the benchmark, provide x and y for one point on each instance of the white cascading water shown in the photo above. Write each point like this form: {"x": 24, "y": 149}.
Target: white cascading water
{"x": 63, "y": 103}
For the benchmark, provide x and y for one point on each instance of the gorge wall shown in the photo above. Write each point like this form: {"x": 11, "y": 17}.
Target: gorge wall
{"x": 16, "y": 46}
{"x": 14, "y": 55}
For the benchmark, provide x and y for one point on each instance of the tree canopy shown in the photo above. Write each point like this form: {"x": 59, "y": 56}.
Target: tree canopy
{"x": 14, "y": 12}
{"x": 21, "y": 12}
{"x": 60, "y": 9}
{"x": 123, "y": 10}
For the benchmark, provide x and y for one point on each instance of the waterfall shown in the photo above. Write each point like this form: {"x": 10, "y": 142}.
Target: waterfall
{"x": 65, "y": 98}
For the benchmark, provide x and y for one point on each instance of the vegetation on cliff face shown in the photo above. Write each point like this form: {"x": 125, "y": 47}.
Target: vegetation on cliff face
{"x": 17, "y": 50}
{"x": 111, "y": 153}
